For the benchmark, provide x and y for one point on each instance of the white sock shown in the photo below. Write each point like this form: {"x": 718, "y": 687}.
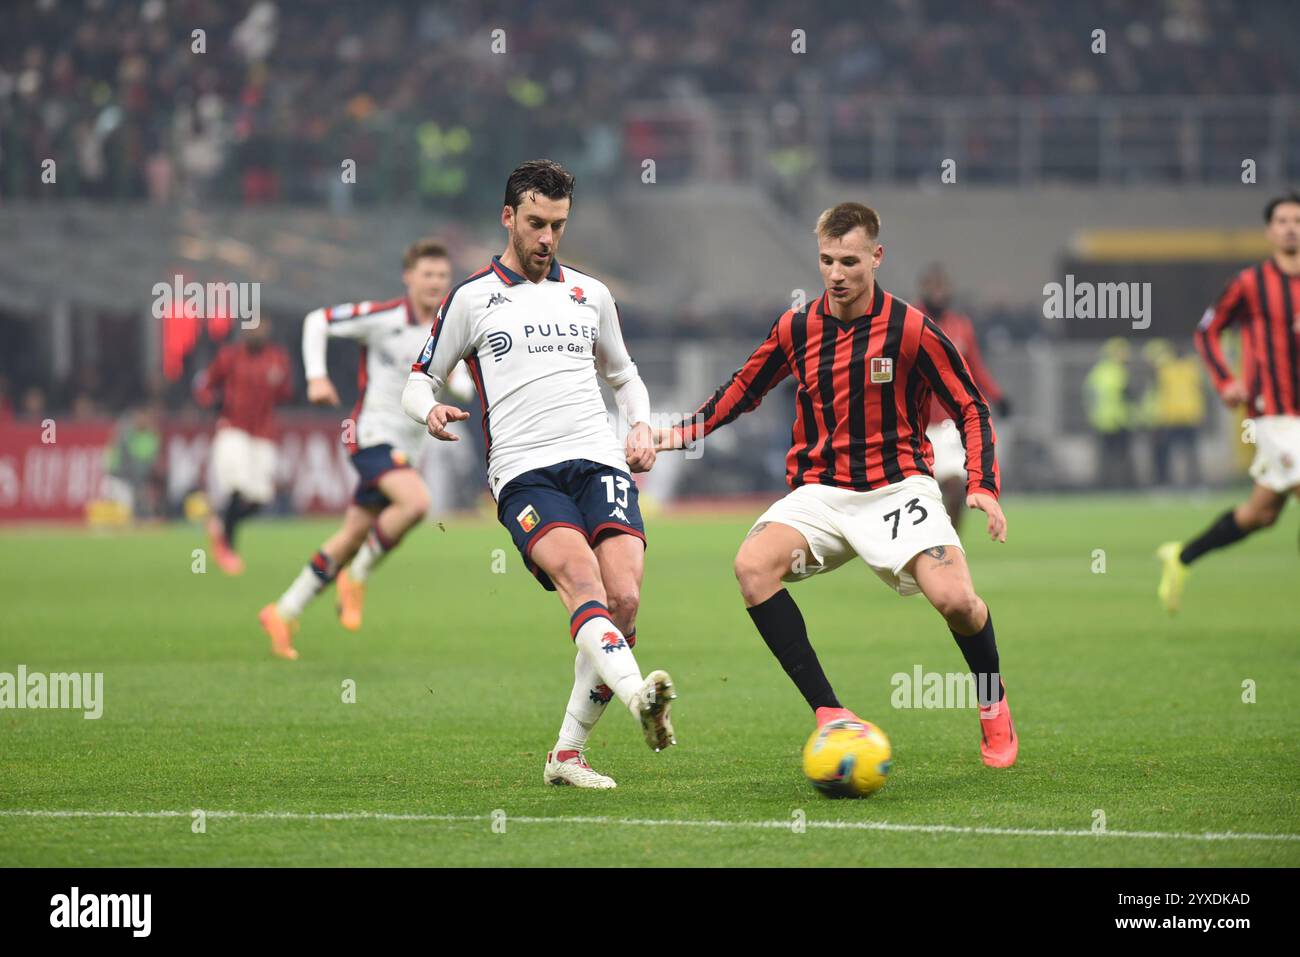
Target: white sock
{"x": 587, "y": 703}
{"x": 596, "y": 636}
{"x": 367, "y": 557}
{"x": 314, "y": 577}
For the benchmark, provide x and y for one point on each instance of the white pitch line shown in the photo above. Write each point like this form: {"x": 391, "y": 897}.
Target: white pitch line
{"x": 651, "y": 822}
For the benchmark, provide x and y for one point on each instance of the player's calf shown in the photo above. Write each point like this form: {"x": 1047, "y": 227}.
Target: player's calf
{"x": 962, "y": 609}
{"x": 408, "y": 503}
{"x": 1261, "y": 510}
{"x": 944, "y": 578}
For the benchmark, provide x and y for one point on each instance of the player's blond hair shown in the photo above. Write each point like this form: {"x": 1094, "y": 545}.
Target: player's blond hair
{"x": 846, "y": 217}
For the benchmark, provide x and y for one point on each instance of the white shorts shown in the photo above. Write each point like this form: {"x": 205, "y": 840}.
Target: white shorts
{"x": 949, "y": 453}
{"x": 1277, "y": 452}
{"x": 244, "y": 464}
{"x": 886, "y": 527}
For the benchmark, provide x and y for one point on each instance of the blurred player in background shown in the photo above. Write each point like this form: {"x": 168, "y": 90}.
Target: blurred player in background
{"x": 1263, "y": 302}
{"x": 943, "y": 433}
{"x": 536, "y": 335}
{"x": 252, "y": 376}
{"x": 384, "y": 444}
{"x": 866, "y": 365}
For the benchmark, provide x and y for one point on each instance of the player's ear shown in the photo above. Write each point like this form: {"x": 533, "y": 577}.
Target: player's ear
{"x": 507, "y": 216}
{"x": 878, "y": 256}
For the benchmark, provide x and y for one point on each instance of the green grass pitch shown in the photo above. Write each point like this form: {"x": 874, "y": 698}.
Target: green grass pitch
{"x": 461, "y": 675}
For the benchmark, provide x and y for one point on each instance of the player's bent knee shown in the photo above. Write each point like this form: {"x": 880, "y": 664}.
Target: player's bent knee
{"x": 756, "y": 572}
{"x": 957, "y": 605}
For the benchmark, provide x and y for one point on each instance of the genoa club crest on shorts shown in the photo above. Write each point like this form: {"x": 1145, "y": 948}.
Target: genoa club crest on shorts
{"x": 882, "y": 370}
{"x": 528, "y": 519}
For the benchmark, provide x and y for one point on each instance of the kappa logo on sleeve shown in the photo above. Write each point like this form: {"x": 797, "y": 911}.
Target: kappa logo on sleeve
{"x": 882, "y": 370}
{"x": 528, "y": 519}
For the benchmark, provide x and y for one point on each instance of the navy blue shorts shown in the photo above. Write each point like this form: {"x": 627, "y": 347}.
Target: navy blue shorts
{"x": 594, "y": 499}
{"x": 371, "y": 463}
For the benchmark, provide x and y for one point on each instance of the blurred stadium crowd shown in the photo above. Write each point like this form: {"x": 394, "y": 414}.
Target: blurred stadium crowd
{"x": 175, "y": 106}
{"x": 284, "y": 88}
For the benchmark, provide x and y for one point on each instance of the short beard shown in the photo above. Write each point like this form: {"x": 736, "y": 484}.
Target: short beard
{"x": 526, "y": 261}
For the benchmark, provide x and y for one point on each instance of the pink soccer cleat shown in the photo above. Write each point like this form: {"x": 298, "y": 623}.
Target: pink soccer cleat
{"x": 998, "y": 742}
{"x": 826, "y": 715}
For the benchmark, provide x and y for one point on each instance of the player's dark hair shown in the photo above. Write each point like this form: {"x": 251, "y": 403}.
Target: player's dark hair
{"x": 542, "y": 176}
{"x": 423, "y": 249}
{"x": 1291, "y": 197}
{"x": 846, "y": 217}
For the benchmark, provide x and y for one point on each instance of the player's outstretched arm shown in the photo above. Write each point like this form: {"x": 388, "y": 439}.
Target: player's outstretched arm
{"x": 766, "y": 366}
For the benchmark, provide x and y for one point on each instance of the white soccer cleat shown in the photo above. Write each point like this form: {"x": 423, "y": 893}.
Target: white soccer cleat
{"x": 651, "y": 705}
{"x": 570, "y": 767}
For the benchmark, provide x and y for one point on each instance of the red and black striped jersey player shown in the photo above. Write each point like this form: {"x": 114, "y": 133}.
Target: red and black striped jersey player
{"x": 1263, "y": 302}
{"x": 860, "y": 468}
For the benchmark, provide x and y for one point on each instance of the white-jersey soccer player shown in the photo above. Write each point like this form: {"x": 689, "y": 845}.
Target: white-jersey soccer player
{"x": 536, "y": 336}
{"x": 383, "y": 442}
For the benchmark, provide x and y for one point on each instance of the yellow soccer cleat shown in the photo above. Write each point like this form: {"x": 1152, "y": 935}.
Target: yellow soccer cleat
{"x": 1172, "y": 577}
{"x": 352, "y": 595}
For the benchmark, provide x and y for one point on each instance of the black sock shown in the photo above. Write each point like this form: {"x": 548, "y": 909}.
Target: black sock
{"x": 236, "y": 511}
{"x": 1224, "y": 531}
{"x": 781, "y": 624}
{"x": 981, "y": 653}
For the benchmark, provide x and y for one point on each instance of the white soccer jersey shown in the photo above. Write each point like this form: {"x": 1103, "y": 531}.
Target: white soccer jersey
{"x": 534, "y": 351}
{"x": 389, "y": 334}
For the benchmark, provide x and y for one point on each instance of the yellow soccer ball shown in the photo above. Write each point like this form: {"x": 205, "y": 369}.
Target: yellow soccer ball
{"x": 847, "y": 759}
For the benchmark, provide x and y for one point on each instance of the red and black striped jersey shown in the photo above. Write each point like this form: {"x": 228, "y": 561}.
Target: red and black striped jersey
{"x": 251, "y": 382}
{"x": 863, "y": 393}
{"x": 1261, "y": 301}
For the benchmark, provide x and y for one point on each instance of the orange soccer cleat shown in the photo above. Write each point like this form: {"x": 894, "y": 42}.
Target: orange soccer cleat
{"x": 279, "y": 631}
{"x": 352, "y": 595}
{"x": 998, "y": 742}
